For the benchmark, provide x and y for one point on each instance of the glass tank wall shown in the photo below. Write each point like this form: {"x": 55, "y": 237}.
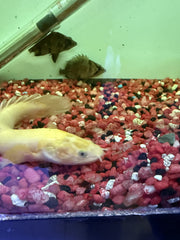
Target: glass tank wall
{"x": 90, "y": 146}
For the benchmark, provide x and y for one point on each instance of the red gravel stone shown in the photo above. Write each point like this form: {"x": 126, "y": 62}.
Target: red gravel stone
{"x": 144, "y": 201}
{"x": 37, "y": 208}
{"x": 31, "y": 175}
{"x": 157, "y": 165}
{"x": 145, "y": 172}
{"x": 22, "y": 193}
{"x": 23, "y": 183}
{"x": 68, "y": 205}
{"x": 4, "y": 189}
{"x": 62, "y": 195}
{"x": 118, "y": 190}
{"x": 92, "y": 177}
{"x": 174, "y": 168}
{"x": 54, "y": 188}
{"x": 134, "y": 194}
{"x": 37, "y": 196}
{"x": 160, "y": 185}
{"x": 155, "y": 200}
{"x": 118, "y": 199}
{"x": 98, "y": 198}
{"x": 7, "y": 203}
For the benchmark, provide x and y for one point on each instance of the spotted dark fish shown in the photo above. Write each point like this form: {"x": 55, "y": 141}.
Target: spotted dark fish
{"x": 81, "y": 67}
{"x": 53, "y": 44}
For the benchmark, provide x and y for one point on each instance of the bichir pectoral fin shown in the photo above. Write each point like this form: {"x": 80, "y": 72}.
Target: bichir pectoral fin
{"x": 17, "y": 154}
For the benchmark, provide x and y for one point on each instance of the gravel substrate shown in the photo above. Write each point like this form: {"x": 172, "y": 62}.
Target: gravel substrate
{"x": 136, "y": 121}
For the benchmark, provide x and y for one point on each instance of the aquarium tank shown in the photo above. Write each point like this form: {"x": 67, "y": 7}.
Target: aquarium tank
{"x": 89, "y": 114}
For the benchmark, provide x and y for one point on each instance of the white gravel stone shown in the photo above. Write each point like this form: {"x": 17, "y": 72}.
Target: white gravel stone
{"x": 149, "y": 189}
{"x": 50, "y": 194}
{"x": 117, "y": 138}
{"x": 110, "y": 184}
{"x": 135, "y": 176}
{"x": 59, "y": 93}
{"x": 142, "y": 145}
{"x": 16, "y": 201}
{"x": 158, "y": 177}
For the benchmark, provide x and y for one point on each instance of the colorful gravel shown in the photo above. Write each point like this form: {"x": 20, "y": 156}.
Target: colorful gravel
{"x": 136, "y": 121}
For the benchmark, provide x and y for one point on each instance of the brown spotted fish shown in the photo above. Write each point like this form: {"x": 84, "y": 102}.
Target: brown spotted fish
{"x": 53, "y": 44}
{"x": 81, "y": 67}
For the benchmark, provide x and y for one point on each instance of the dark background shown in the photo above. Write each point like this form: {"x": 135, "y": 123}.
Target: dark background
{"x": 150, "y": 227}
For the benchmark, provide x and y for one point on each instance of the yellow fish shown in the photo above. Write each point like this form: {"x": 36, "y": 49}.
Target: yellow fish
{"x": 43, "y": 144}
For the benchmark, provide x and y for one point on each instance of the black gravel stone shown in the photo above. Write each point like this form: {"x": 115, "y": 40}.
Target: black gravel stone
{"x": 106, "y": 106}
{"x": 130, "y": 98}
{"x": 109, "y": 133}
{"x": 6, "y": 180}
{"x": 67, "y": 112}
{"x": 145, "y": 125}
{"x": 178, "y": 180}
{"x": 131, "y": 109}
{"x": 105, "y": 98}
{"x": 66, "y": 176}
{"x": 94, "y": 207}
{"x": 153, "y": 159}
{"x": 114, "y": 164}
{"x": 153, "y": 119}
{"x": 156, "y": 132}
{"x": 162, "y": 116}
{"x": 65, "y": 188}
{"x": 90, "y": 117}
{"x": 178, "y": 133}
{"x": 52, "y": 202}
{"x": 147, "y": 90}
{"x": 143, "y": 164}
{"x": 103, "y": 136}
{"x": 34, "y": 126}
{"x": 108, "y": 203}
{"x": 167, "y": 192}
{"x": 87, "y": 106}
{"x": 112, "y": 140}
{"x": 40, "y": 124}
{"x": 46, "y": 91}
{"x": 85, "y": 184}
{"x": 137, "y": 95}
{"x": 108, "y": 113}
{"x": 136, "y": 168}
{"x": 160, "y": 171}
{"x": 142, "y": 156}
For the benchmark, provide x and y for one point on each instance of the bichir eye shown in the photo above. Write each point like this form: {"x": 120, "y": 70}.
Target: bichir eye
{"x": 82, "y": 154}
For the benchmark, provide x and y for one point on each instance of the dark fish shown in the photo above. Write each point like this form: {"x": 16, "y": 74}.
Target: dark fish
{"x": 53, "y": 44}
{"x": 81, "y": 67}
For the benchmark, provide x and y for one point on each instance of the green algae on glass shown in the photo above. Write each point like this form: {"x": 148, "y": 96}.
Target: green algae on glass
{"x": 53, "y": 44}
{"x": 81, "y": 67}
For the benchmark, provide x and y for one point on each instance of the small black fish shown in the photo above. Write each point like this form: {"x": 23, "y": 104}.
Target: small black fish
{"x": 81, "y": 67}
{"x": 53, "y": 44}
